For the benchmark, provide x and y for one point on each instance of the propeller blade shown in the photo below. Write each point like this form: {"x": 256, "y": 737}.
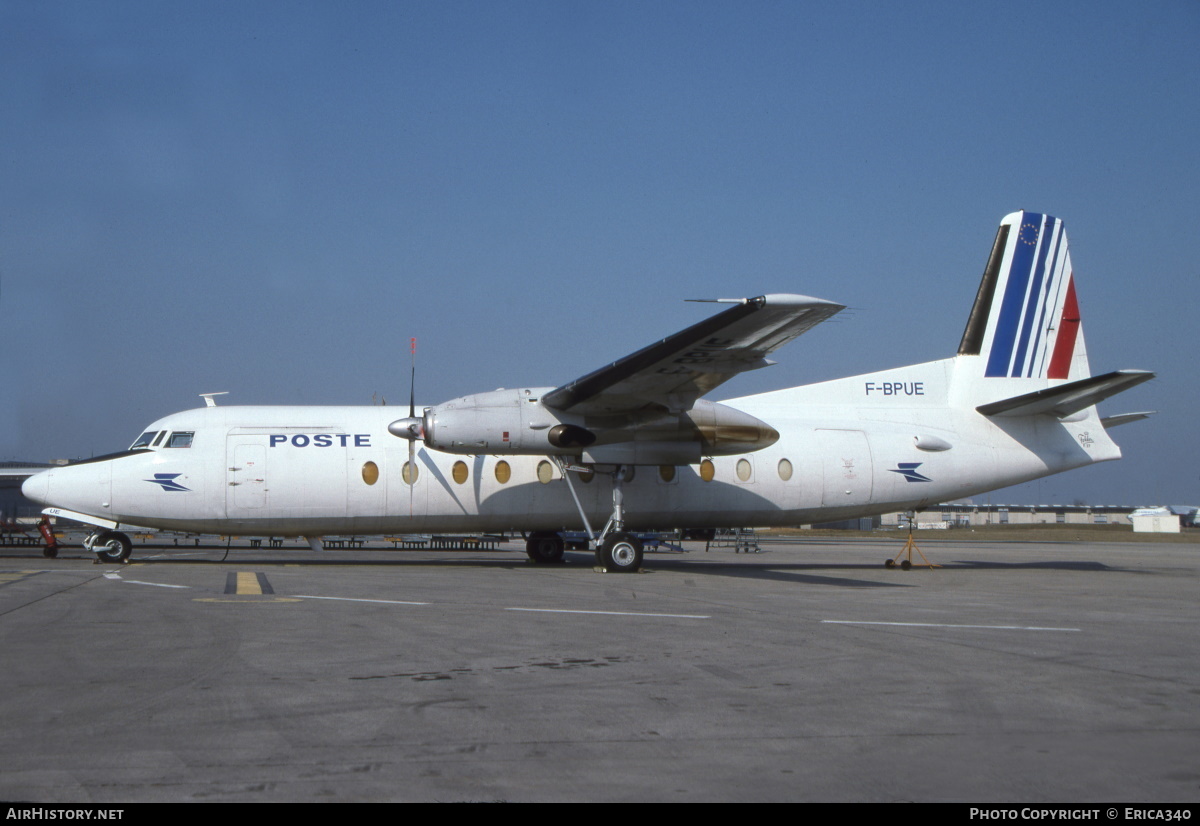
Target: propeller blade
{"x": 413, "y": 429}
{"x": 412, "y": 381}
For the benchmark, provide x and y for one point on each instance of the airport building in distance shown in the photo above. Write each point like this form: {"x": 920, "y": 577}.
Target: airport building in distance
{"x": 970, "y": 514}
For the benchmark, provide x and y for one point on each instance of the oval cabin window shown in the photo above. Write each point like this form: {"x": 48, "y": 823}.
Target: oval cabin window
{"x": 744, "y": 470}
{"x": 370, "y": 473}
{"x": 785, "y": 469}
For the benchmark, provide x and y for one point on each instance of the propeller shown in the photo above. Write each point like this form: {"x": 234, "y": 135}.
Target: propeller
{"x": 414, "y": 425}
{"x": 411, "y": 428}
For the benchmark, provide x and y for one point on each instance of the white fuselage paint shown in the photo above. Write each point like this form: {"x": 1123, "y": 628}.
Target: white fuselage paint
{"x": 852, "y": 445}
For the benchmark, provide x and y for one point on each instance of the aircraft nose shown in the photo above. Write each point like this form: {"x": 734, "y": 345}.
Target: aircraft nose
{"x": 37, "y": 488}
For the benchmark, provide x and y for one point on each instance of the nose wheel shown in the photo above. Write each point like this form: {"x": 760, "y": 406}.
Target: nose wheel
{"x": 109, "y": 546}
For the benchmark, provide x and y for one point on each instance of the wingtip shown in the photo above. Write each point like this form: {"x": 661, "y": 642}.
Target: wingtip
{"x": 773, "y": 300}
{"x": 794, "y": 300}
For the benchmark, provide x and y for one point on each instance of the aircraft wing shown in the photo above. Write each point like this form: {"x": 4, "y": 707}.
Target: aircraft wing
{"x": 673, "y": 373}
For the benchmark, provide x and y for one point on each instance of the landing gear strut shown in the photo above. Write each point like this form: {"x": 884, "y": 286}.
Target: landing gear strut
{"x": 617, "y": 552}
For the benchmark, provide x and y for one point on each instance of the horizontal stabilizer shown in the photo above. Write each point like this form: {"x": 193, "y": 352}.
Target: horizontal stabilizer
{"x": 1068, "y": 398}
{"x": 1110, "y": 422}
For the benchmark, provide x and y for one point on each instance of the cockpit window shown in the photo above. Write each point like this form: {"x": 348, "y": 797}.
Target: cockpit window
{"x": 158, "y": 438}
{"x": 181, "y": 438}
{"x": 145, "y": 439}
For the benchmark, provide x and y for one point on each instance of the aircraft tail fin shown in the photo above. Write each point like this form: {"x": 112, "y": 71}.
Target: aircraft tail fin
{"x": 1025, "y": 320}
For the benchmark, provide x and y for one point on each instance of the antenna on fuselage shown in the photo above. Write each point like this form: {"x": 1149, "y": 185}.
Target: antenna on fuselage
{"x": 208, "y": 398}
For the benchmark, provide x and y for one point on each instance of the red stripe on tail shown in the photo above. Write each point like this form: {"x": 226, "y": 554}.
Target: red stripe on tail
{"x": 1068, "y": 331}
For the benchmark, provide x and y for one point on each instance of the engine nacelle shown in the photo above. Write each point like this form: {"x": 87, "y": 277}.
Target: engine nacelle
{"x": 502, "y": 421}
{"x": 515, "y": 422}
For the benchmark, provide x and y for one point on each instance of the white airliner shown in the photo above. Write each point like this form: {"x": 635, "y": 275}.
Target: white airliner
{"x": 633, "y": 443}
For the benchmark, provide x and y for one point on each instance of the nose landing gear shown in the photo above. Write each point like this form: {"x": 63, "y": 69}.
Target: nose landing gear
{"x": 109, "y": 546}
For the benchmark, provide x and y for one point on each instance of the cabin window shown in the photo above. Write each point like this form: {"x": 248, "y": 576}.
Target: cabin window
{"x": 503, "y": 472}
{"x": 707, "y": 471}
{"x": 409, "y": 473}
{"x": 785, "y": 469}
{"x": 145, "y": 440}
{"x": 370, "y": 473}
{"x": 181, "y": 438}
{"x": 459, "y": 472}
{"x": 545, "y": 472}
{"x": 666, "y": 473}
{"x": 744, "y": 471}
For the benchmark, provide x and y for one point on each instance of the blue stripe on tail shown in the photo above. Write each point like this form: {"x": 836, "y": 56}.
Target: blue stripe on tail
{"x": 1035, "y": 292}
{"x": 1015, "y": 290}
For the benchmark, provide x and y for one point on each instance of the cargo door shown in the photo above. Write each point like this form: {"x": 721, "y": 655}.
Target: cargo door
{"x": 246, "y": 477}
{"x": 846, "y": 468}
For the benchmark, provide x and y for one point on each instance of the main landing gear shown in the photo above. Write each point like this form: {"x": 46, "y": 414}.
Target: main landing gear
{"x": 109, "y": 546}
{"x": 620, "y": 553}
{"x": 544, "y": 547}
{"x": 617, "y": 552}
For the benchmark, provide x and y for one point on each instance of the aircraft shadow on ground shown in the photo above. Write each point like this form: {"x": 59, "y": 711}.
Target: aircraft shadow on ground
{"x": 1056, "y": 565}
{"x": 767, "y": 567}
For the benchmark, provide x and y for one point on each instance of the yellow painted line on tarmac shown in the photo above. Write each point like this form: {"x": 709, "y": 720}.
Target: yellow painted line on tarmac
{"x": 248, "y": 601}
{"x": 14, "y": 576}
{"x": 247, "y": 583}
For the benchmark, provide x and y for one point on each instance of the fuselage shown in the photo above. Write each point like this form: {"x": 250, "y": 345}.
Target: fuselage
{"x": 891, "y": 440}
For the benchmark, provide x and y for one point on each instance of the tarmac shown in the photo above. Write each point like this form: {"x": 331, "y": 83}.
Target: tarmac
{"x": 1018, "y": 672}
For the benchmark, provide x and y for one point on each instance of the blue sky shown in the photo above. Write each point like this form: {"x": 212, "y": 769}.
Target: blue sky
{"x": 271, "y": 198}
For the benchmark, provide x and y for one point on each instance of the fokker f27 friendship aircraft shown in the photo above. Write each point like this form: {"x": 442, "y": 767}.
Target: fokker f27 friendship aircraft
{"x": 633, "y": 446}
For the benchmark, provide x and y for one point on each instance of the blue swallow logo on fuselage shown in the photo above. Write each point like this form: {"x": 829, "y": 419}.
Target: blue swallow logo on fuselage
{"x": 167, "y": 480}
{"x": 909, "y": 471}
